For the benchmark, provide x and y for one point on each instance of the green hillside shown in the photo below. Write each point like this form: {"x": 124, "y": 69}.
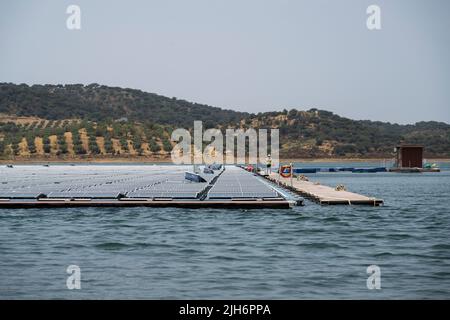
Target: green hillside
{"x": 70, "y": 121}
{"x": 99, "y": 103}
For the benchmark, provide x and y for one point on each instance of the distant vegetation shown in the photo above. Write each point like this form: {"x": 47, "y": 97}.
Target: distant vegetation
{"x": 98, "y": 121}
{"x": 318, "y": 133}
{"x": 100, "y": 103}
{"x": 83, "y": 138}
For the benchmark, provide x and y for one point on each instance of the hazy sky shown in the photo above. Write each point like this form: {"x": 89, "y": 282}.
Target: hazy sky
{"x": 249, "y": 55}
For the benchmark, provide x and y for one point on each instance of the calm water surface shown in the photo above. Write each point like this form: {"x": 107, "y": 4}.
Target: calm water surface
{"x": 307, "y": 252}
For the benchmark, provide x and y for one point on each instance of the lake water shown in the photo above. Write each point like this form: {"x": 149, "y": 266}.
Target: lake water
{"x": 309, "y": 252}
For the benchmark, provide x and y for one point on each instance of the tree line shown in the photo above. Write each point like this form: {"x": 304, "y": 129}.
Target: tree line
{"x": 126, "y": 135}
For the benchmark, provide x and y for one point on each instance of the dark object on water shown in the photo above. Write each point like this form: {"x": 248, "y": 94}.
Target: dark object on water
{"x": 364, "y": 170}
{"x": 409, "y": 159}
{"x": 413, "y": 170}
{"x": 9, "y": 166}
{"x": 340, "y": 169}
{"x": 369, "y": 170}
{"x": 46, "y": 165}
{"x": 406, "y": 170}
{"x": 409, "y": 156}
{"x": 305, "y": 170}
{"x": 193, "y": 177}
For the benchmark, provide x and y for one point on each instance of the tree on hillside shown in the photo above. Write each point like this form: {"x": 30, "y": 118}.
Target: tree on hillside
{"x": 93, "y": 146}
{"x": 62, "y": 144}
{"x": 77, "y": 144}
{"x": 2, "y": 147}
{"x": 124, "y": 144}
{"x": 108, "y": 145}
{"x": 167, "y": 146}
{"x": 46, "y": 142}
{"x": 30, "y": 141}
{"x": 154, "y": 146}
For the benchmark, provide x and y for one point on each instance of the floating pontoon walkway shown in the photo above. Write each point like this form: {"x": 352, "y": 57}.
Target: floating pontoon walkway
{"x": 133, "y": 186}
{"x": 324, "y": 194}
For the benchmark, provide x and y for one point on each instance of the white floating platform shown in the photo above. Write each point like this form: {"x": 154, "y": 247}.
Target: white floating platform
{"x": 324, "y": 194}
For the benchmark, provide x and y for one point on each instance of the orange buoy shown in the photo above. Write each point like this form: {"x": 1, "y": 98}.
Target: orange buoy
{"x": 286, "y": 171}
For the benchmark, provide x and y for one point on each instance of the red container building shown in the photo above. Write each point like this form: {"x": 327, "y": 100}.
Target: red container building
{"x": 409, "y": 156}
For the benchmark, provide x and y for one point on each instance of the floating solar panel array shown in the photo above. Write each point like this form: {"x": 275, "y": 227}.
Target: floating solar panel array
{"x": 175, "y": 187}
{"x": 99, "y": 182}
{"x": 136, "y": 182}
{"x": 236, "y": 183}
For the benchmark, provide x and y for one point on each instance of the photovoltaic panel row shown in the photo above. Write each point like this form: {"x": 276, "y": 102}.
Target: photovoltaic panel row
{"x": 91, "y": 195}
{"x": 170, "y": 189}
{"x": 20, "y": 195}
{"x": 237, "y": 183}
{"x": 150, "y": 194}
{"x": 111, "y": 182}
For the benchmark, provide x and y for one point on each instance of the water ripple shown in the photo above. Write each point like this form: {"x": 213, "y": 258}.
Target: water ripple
{"x": 307, "y": 252}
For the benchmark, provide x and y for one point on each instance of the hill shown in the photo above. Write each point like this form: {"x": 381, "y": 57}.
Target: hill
{"x": 73, "y": 121}
{"x": 101, "y": 103}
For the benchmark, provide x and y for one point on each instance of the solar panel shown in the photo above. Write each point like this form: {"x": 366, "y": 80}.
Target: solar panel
{"x": 237, "y": 183}
{"x": 162, "y": 194}
{"x": 93, "y": 195}
{"x": 110, "y": 182}
{"x": 21, "y": 195}
{"x": 229, "y": 195}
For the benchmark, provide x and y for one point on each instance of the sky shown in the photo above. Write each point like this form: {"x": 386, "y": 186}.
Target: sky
{"x": 247, "y": 55}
